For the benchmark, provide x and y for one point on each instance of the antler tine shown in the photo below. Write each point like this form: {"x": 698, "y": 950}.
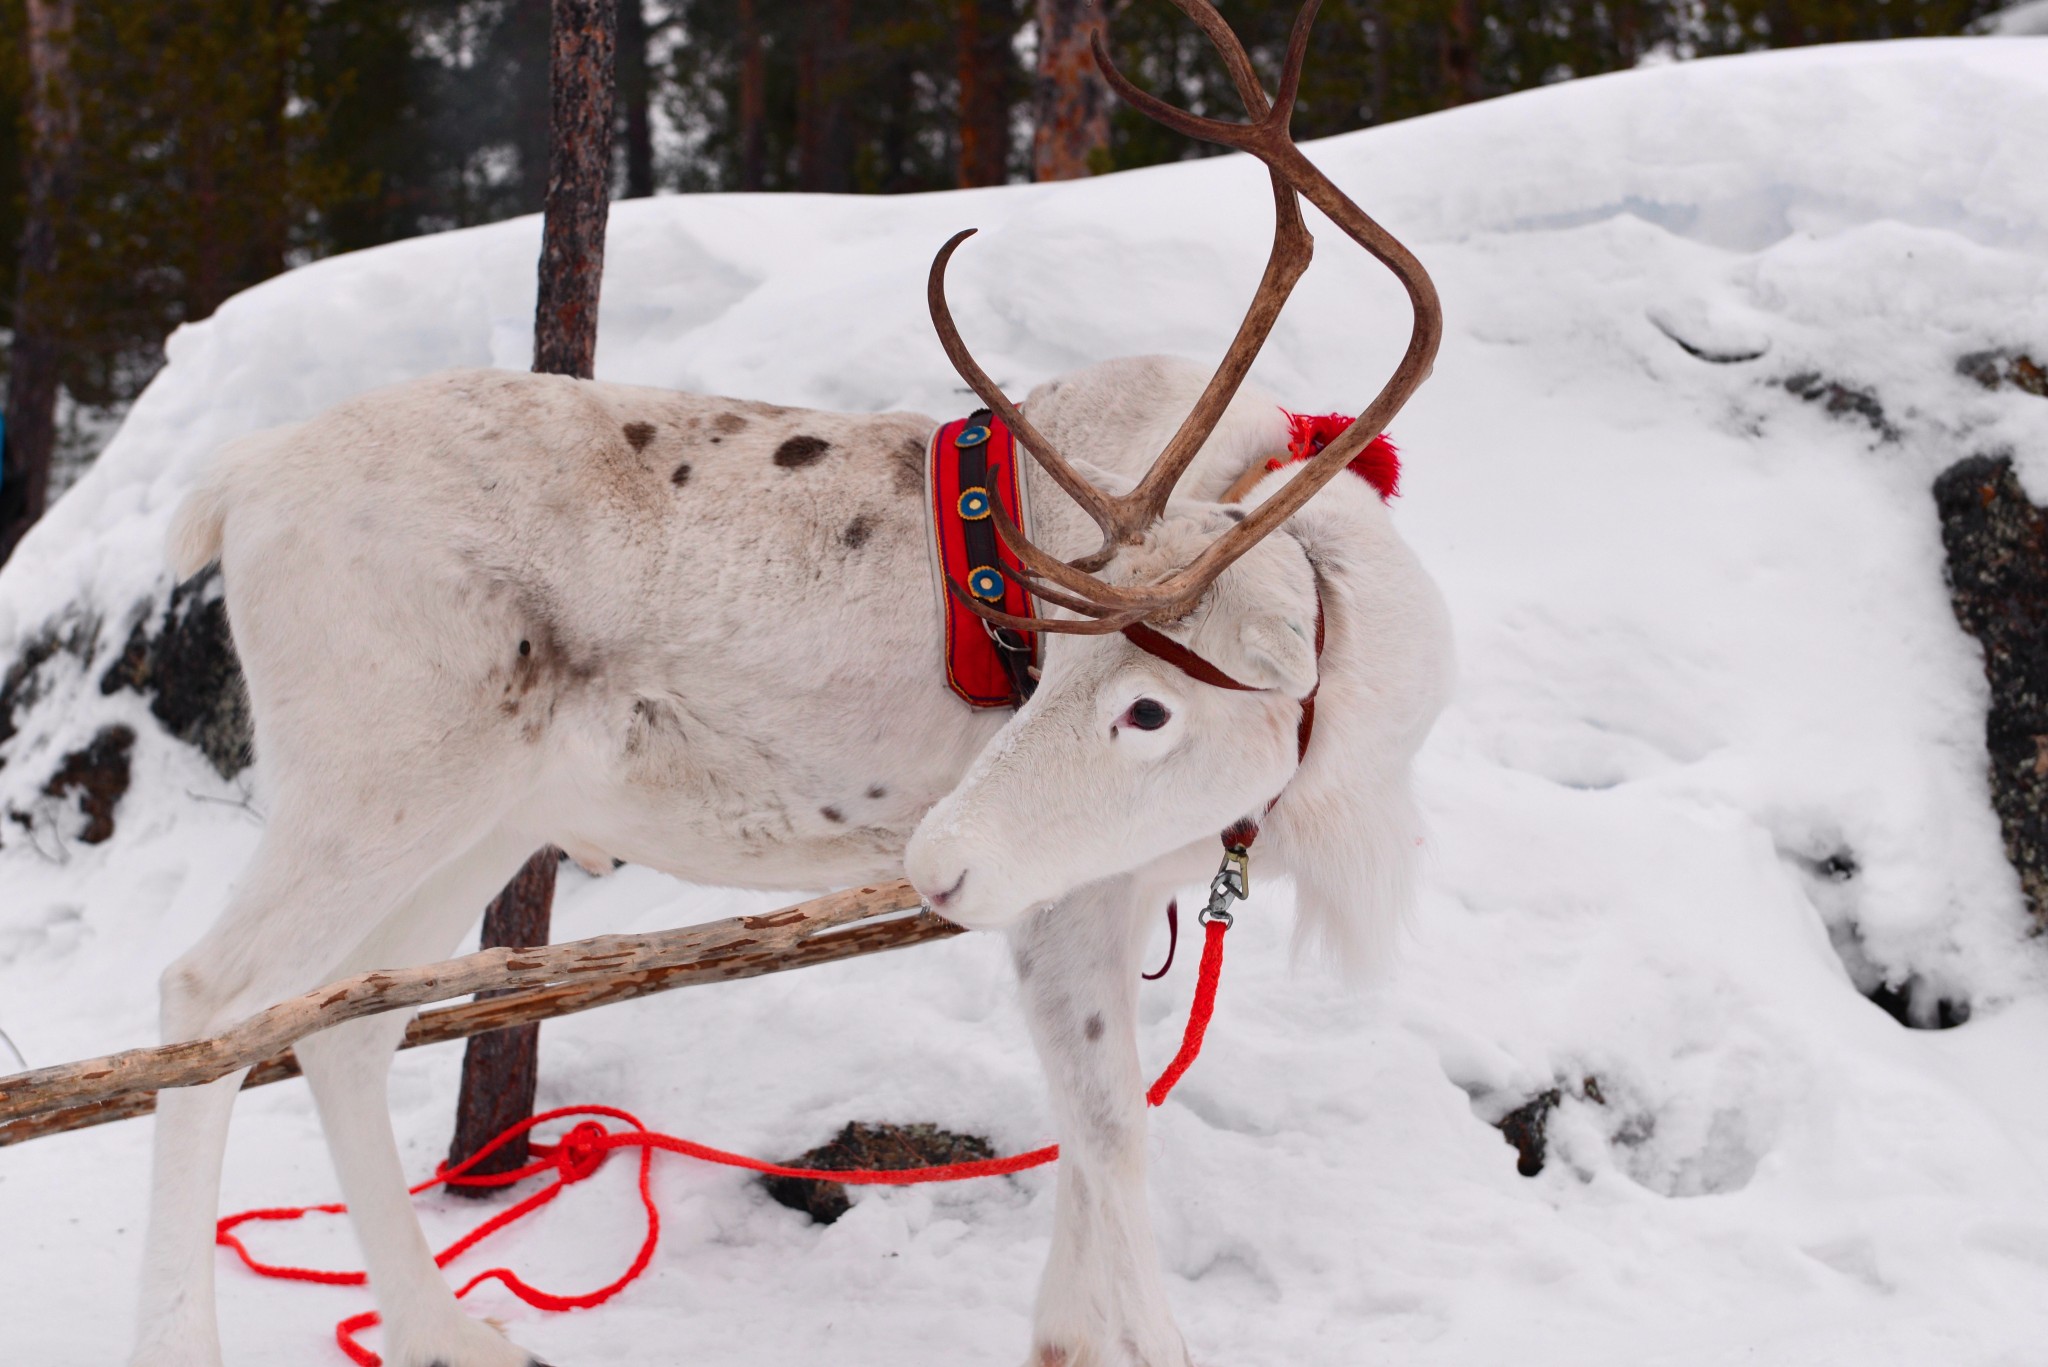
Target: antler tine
{"x": 1224, "y": 39}
{"x": 1416, "y": 361}
{"x": 1071, "y": 626}
{"x": 1093, "y": 501}
{"x": 1109, "y": 607}
{"x": 1292, "y": 244}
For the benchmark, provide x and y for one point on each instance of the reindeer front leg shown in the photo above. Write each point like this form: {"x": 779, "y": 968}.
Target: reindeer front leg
{"x": 1103, "y": 1299}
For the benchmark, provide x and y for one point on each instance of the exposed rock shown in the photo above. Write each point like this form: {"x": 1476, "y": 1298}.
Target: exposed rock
{"x": 1997, "y": 543}
{"x": 859, "y": 1145}
{"x": 28, "y": 676}
{"x": 1527, "y": 1128}
{"x": 99, "y": 775}
{"x": 1839, "y": 400}
{"x": 184, "y": 660}
{"x": 2001, "y": 368}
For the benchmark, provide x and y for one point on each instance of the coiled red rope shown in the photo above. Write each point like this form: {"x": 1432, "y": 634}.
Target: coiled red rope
{"x": 582, "y": 1150}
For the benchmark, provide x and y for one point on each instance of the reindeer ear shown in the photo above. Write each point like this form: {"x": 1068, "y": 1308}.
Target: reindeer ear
{"x": 1279, "y": 653}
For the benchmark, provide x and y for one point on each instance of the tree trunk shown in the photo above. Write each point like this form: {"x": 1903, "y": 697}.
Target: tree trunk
{"x": 579, "y": 184}
{"x": 753, "y": 130}
{"x": 500, "y": 1069}
{"x": 981, "y": 55}
{"x": 31, "y": 427}
{"x": 824, "y": 138}
{"x": 1461, "y": 52}
{"x": 1071, "y": 100}
{"x": 636, "y": 90}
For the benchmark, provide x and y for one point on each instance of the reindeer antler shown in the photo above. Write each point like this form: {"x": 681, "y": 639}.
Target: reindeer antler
{"x": 1124, "y": 520}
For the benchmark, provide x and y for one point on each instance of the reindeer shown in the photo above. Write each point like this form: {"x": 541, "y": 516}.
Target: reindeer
{"x": 485, "y": 612}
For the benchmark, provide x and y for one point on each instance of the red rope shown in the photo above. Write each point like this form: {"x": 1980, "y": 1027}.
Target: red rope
{"x": 581, "y": 1151}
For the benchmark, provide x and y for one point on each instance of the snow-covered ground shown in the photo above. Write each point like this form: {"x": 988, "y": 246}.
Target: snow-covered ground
{"x": 1717, "y": 736}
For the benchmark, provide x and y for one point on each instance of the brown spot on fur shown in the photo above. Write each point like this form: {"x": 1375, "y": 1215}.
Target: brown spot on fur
{"x": 725, "y": 424}
{"x": 800, "y": 451}
{"x": 878, "y": 792}
{"x": 680, "y": 475}
{"x": 909, "y": 462}
{"x": 1051, "y": 1356}
{"x": 638, "y": 434}
{"x": 857, "y": 532}
{"x": 1092, "y": 1027}
{"x": 832, "y": 814}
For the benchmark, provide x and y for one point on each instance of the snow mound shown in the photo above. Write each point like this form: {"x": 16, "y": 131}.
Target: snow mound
{"x": 1714, "y": 776}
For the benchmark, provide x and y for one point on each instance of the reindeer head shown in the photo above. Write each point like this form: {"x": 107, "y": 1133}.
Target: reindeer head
{"x": 1122, "y": 759}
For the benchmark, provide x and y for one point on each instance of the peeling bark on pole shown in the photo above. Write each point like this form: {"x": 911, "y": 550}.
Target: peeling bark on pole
{"x": 514, "y": 986}
{"x": 36, "y": 356}
{"x": 499, "y": 1072}
{"x": 1071, "y": 99}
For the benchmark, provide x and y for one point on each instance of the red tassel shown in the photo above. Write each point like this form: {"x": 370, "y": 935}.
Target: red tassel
{"x": 1379, "y": 464}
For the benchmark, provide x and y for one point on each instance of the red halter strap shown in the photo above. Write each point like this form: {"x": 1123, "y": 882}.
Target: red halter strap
{"x": 1164, "y": 647}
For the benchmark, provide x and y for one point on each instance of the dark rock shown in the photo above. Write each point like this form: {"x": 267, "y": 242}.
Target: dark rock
{"x": 881, "y": 1147}
{"x": 184, "y": 661}
{"x": 1527, "y": 1128}
{"x": 23, "y": 684}
{"x": 1913, "y": 1004}
{"x": 2000, "y": 368}
{"x": 1997, "y": 543}
{"x": 1843, "y": 401}
{"x": 99, "y": 775}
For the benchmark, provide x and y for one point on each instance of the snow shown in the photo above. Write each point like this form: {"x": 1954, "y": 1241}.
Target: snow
{"x": 1705, "y": 650}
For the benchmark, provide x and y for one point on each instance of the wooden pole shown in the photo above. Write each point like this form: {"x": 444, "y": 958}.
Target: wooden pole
{"x": 584, "y": 42}
{"x": 501, "y": 1069}
{"x": 514, "y": 988}
{"x": 500, "y": 1072}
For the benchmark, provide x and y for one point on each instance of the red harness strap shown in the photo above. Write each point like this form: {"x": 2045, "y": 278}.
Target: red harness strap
{"x": 971, "y": 462}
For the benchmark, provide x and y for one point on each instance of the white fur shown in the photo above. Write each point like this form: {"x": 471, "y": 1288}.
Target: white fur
{"x": 487, "y": 611}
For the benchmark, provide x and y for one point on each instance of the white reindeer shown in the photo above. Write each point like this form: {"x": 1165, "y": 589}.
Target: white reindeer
{"x": 484, "y": 612}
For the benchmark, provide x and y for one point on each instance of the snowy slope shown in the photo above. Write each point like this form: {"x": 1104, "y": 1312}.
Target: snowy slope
{"x": 1716, "y": 758}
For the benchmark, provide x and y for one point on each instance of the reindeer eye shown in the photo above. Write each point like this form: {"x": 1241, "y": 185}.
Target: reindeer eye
{"x": 1147, "y": 714}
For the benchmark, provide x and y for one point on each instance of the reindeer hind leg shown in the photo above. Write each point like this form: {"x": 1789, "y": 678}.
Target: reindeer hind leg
{"x": 327, "y": 875}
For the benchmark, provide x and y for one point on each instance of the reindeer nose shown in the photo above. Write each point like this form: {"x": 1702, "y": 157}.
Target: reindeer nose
{"x": 939, "y": 899}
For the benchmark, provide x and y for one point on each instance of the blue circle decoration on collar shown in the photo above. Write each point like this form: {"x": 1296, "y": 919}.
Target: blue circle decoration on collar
{"x": 971, "y": 436}
{"x": 986, "y": 585}
{"x": 974, "y": 503}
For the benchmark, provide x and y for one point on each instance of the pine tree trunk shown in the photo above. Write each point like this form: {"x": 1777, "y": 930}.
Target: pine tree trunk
{"x": 1071, "y": 100}
{"x": 1461, "y": 53}
{"x": 981, "y": 55}
{"x": 636, "y": 92}
{"x": 824, "y": 156}
{"x": 753, "y": 130}
{"x": 579, "y": 184}
{"x": 500, "y": 1069}
{"x": 33, "y": 366}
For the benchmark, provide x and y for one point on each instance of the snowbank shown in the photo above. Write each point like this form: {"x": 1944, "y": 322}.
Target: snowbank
{"x": 1714, "y": 771}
